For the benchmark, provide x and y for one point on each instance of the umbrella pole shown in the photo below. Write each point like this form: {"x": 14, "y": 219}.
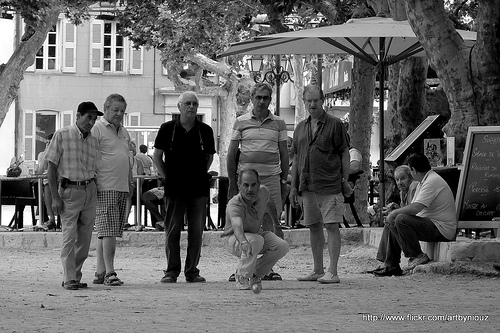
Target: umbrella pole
{"x": 278, "y": 84}
{"x": 381, "y": 177}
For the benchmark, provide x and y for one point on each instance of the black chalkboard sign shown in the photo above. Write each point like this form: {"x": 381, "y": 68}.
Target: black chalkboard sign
{"x": 478, "y": 194}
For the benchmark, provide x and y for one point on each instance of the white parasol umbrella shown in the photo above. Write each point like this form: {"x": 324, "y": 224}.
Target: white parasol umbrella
{"x": 379, "y": 41}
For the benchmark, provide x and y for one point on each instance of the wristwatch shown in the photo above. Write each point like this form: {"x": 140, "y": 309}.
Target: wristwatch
{"x": 283, "y": 181}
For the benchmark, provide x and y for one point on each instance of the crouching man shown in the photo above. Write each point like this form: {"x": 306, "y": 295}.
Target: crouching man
{"x": 243, "y": 234}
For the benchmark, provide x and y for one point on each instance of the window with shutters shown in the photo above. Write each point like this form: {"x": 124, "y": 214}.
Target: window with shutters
{"x": 47, "y": 56}
{"x": 38, "y": 125}
{"x": 133, "y": 119}
{"x": 113, "y": 48}
{"x": 110, "y": 52}
{"x": 58, "y": 52}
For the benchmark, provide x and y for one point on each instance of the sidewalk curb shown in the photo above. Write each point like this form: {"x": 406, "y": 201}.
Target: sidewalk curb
{"x": 464, "y": 250}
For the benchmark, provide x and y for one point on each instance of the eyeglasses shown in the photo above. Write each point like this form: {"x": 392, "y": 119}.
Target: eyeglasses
{"x": 190, "y": 103}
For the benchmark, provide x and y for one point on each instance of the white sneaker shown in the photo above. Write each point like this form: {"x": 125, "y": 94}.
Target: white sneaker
{"x": 414, "y": 262}
{"x": 311, "y": 277}
{"x": 242, "y": 283}
{"x": 329, "y": 278}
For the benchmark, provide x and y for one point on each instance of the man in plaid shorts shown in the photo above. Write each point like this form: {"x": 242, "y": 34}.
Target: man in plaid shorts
{"x": 73, "y": 157}
{"x": 114, "y": 185}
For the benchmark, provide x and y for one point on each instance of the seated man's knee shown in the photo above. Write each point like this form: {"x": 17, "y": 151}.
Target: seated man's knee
{"x": 400, "y": 220}
{"x": 316, "y": 226}
{"x": 332, "y": 226}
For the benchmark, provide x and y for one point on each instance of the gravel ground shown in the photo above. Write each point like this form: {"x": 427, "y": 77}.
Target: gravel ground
{"x": 32, "y": 300}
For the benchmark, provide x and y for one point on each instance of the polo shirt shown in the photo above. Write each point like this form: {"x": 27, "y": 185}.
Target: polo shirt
{"x": 319, "y": 155}
{"x": 115, "y": 167}
{"x": 251, "y": 214}
{"x": 259, "y": 147}
{"x": 77, "y": 158}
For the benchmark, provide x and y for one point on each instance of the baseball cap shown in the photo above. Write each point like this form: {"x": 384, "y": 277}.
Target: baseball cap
{"x": 85, "y": 107}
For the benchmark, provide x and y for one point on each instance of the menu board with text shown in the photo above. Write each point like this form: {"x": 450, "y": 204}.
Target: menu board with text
{"x": 478, "y": 194}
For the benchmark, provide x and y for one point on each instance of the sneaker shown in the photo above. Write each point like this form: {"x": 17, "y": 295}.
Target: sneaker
{"x": 110, "y": 279}
{"x": 242, "y": 283}
{"x": 329, "y": 278}
{"x": 99, "y": 278}
{"x": 311, "y": 277}
{"x": 272, "y": 277}
{"x": 168, "y": 278}
{"x": 71, "y": 285}
{"x": 420, "y": 260}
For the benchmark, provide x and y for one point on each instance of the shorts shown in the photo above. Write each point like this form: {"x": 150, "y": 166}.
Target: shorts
{"x": 158, "y": 192}
{"x": 111, "y": 213}
{"x": 327, "y": 208}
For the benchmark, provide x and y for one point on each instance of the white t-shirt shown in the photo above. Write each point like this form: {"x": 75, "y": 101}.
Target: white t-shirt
{"x": 434, "y": 193}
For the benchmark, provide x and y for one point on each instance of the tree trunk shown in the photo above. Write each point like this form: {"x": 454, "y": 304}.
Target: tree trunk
{"x": 22, "y": 58}
{"x": 298, "y": 84}
{"x": 233, "y": 99}
{"x": 411, "y": 103}
{"x": 360, "y": 124}
{"x": 473, "y": 92}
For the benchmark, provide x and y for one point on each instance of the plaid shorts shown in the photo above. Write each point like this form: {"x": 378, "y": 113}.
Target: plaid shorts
{"x": 111, "y": 213}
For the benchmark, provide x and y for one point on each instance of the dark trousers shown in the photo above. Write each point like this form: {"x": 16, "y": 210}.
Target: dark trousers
{"x": 195, "y": 210}
{"x": 404, "y": 235}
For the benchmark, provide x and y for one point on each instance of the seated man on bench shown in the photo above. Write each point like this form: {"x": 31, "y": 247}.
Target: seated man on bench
{"x": 407, "y": 187}
{"x": 430, "y": 217}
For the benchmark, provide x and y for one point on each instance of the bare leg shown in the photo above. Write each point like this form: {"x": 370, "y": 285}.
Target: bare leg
{"x": 47, "y": 197}
{"x": 101, "y": 267}
{"x": 109, "y": 249}
{"x": 333, "y": 241}
{"x": 317, "y": 239}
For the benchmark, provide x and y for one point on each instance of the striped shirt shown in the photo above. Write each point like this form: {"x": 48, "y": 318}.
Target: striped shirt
{"x": 259, "y": 142}
{"x": 76, "y": 157}
{"x": 115, "y": 167}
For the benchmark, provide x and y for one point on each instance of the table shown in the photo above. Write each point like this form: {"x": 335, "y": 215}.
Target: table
{"x": 39, "y": 179}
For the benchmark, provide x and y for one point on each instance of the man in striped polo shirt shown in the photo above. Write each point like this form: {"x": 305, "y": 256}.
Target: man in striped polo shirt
{"x": 262, "y": 140}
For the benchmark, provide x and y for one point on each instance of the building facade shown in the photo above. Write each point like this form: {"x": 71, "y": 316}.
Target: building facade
{"x": 88, "y": 62}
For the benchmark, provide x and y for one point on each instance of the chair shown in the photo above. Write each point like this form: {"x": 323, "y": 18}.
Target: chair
{"x": 20, "y": 193}
{"x": 222, "y": 199}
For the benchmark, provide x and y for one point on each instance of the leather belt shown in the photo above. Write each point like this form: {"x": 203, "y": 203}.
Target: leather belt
{"x": 80, "y": 183}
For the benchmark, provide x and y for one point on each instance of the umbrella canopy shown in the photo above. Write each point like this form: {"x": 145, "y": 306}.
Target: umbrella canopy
{"x": 379, "y": 41}
{"x": 359, "y": 37}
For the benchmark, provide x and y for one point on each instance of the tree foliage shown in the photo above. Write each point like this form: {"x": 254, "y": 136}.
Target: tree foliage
{"x": 182, "y": 28}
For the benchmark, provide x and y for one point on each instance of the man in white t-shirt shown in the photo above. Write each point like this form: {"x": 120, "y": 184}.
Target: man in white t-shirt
{"x": 430, "y": 217}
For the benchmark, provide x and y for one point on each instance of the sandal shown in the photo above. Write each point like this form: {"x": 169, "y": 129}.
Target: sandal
{"x": 99, "y": 278}
{"x": 110, "y": 279}
{"x": 272, "y": 277}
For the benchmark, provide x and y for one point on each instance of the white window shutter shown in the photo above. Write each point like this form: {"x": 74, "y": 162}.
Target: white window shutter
{"x": 136, "y": 60}
{"x": 32, "y": 67}
{"x": 29, "y": 135}
{"x": 96, "y": 46}
{"x": 69, "y": 47}
{"x": 134, "y": 119}
{"x": 67, "y": 118}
